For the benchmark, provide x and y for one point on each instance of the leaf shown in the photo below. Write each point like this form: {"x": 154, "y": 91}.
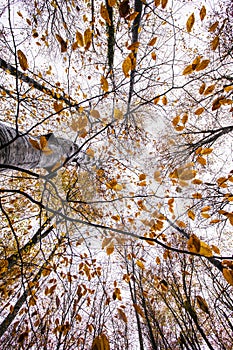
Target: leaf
{"x": 209, "y": 90}
{"x": 118, "y": 114}
{"x": 152, "y": 41}
{"x": 164, "y": 3}
{"x": 138, "y": 309}
{"x": 196, "y": 61}
{"x": 228, "y": 275}
{"x": 190, "y": 22}
{"x": 104, "y": 14}
{"x": 140, "y": 264}
{"x": 106, "y": 241}
{"x": 215, "y": 249}
{"x": 214, "y": 43}
{"x": 205, "y": 250}
{"x": 202, "y": 88}
{"x": 188, "y": 70}
{"x": 101, "y": 342}
{"x": 206, "y": 151}
{"x": 110, "y": 248}
{"x": 126, "y": 66}
{"x": 79, "y": 38}
{"x": 191, "y": 214}
{"x": 187, "y": 174}
{"x": 156, "y": 100}
{"x": 164, "y": 100}
{"x": 213, "y": 26}
{"x": 184, "y": 118}
{"x": 111, "y": 3}
{"x": 194, "y": 244}
{"x": 62, "y": 43}
{"x": 157, "y": 2}
{"x": 202, "y": 13}
{"x": 134, "y": 46}
{"x": 202, "y": 65}
{"x": 176, "y": 120}
{"x": 22, "y": 60}
{"x": 202, "y": 304}
{"x": 57, "y": 106}
{"x": 35, "y": 143}
{"x": 104, "y": 83}
{"x": 199, "y": 111}
{"x": 87, "y": 38}
{"x": 124, "y": 9}
{"x": 153, "y": 56}
{"x": 217, "y": 103}
{"x": 122, "y": 315}
{"x": 95, "y": 113}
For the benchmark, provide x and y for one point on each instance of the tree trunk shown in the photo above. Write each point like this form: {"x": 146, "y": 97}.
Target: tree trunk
{"x": 18, "y": 150}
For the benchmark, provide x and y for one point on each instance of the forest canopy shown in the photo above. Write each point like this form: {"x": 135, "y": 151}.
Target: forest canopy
{"x": 116, "y": 174}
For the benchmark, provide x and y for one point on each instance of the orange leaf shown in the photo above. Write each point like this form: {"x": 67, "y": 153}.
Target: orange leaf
{"x": 209, "y": 89}
{"x": 35, "y": 144}
{"x": 202, "y": 13}
{"x": 213, "y": 26}
{"x": 152, "y": 41}
{"x": 202, "y": 88}
{"x": 104, "y": 83}
{"x": 126, "y": 66}
{"x": 191, "y": 214}
{"x": 22, "y": 60}
{"x": 214, "y": 43}
{"x": 228, "y": 275}
{"x": 202, "y": 65}
{"x": 104, "y": 14}
{"x": 190, "y": 22}
{"x": 79, "y": 38}
{"x": 188, "y": 70}
{"x": 164, "y": 3}
{"x": 199, "y": 111}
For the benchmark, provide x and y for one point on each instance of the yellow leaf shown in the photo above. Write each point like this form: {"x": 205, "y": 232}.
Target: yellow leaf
{"x": 104, "y": 14}
{"x": 90, "y": 152}
{"x": 104, "y": 84}
{"x": 188, "y": 70}
{"x": 101, "y": 342}
{"x": 62, "y": 43}
{"x": 202, "y": 65}
{"x": 228, "y": 275}
{"x": 199, "y": 111}
{"x": 190, "y": 22}
{"x": 95, "y": 114}
{"x": 22, "y": 60}
{"x": 206, "y": 151}
{"x": 126, "y": 66}
{"x": 205, "y": 215}
{"x": 214, "y": 43}
{"x": 164, "y": 100}
{"x": 202, "y": 88}
{"x": 228, "y": 88}
{"x": 140, "y": 264}
{"x": 202, "y": 304}
{"x": 191, "y": 214}
{"x": 202, "y": 13}
{"x": 213, "y": 26}
{"x": 209, "y": 89}
{"x": 82, "y": 122}
{"x": 118, "y": 114}
{"x": 79, "y": 38}
{"x": 205, "y": 250}
{"x": 207, "y": 208}
{"x": 87, "y": 38}
{"x": 152, "y": 41}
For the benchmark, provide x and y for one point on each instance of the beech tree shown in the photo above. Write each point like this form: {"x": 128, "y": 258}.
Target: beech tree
{"x": 116, "y": 177}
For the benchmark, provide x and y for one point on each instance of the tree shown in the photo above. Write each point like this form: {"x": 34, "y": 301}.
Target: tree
{"x": 115, "y": 191}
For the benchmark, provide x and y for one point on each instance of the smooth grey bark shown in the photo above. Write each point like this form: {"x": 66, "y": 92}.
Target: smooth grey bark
{"x": 17, "y": 150}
